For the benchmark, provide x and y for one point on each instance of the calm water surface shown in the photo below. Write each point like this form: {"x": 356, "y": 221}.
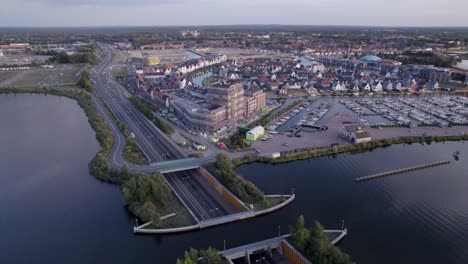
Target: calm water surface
{"x": 418, "y": 217}
{"x": 53, "y": 211}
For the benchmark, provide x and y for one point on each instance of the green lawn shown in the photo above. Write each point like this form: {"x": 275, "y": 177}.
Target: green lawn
{"x": 181, "y": 219}
{"x": 270, "y": 202}
{"x": 32, "y": 77}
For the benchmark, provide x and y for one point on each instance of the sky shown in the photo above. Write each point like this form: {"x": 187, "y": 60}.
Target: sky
{"x": 64, "y": 13}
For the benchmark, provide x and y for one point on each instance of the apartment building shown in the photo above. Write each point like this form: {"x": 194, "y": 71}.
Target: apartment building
{"x": 230, "y": 95}
{"x": 255, "y": 102}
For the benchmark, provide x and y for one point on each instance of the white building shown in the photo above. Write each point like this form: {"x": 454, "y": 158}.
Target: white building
{"x": 354, "y": 133}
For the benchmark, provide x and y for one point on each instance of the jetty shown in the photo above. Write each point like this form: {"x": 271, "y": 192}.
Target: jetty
{"x": 399, "y": 171}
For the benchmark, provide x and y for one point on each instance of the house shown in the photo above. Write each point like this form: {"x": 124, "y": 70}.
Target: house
{"x": 337, "y": 86}
{"x": 397, "y": 86}
{"x": 377, "y": 87}
{"x": 354, "y": 133}
{"x": 364, "y": 87}
{"x": 433, "y": 85}
{"x": 387, "y": 86}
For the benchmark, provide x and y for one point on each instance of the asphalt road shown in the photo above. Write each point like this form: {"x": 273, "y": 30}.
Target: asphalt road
{"x": 147, "y": 137}
{"x": 200, "y": 197}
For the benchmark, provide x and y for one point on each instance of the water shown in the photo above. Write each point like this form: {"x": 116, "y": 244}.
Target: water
{"x": 53, "y": 211}
{"x": 198, "y": 81}
{"x": 418, "y": 217}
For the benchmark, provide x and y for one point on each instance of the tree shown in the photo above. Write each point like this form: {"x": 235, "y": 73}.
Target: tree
{"x": 315, "y": 245}
{"x": 208, "y": 256}
{"x": 211, "y": 256}
{"x": 190, "y": 257}
{"x": 223, "y": 162}
{"x": 301, "y": 234}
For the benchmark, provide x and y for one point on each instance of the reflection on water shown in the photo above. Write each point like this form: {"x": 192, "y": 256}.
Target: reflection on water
{"x": 53, "y": 211}
{"x": 417, "y": 217}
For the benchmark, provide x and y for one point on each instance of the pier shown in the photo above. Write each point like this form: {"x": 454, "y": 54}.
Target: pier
{"x": 399, "y": 171}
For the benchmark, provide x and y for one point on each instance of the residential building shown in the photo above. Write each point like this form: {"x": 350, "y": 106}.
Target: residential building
{"x": 231, "y": 96}
{"x": 199, "y": 114}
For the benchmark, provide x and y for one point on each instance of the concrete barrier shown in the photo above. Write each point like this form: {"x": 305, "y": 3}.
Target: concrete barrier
{"x": 223, "y": 191}
{"x": 276, "y": 207}
{"x": 166, "y": 230}
{"x": 218, "y": 221}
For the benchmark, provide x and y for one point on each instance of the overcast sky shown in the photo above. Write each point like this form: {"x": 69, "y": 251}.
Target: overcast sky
{"x": 220, "y": 12}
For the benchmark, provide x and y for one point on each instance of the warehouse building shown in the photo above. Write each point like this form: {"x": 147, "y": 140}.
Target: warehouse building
{"x": 255, "y": 133}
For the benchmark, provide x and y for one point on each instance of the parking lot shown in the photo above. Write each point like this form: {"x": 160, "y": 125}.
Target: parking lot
{"x": 381, "y": 124}
{"x": 38, "y": 77}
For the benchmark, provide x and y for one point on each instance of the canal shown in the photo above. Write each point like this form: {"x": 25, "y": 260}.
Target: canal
{"x": 53, "y": 211}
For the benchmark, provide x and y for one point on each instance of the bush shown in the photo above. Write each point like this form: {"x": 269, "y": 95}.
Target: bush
{"x": 209, "y": 256}
{"x": 145, "y": 194}
{"x": 223, "y": 170}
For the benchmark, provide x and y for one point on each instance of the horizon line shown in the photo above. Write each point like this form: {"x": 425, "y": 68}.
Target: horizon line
{"x": 231, "y": 25}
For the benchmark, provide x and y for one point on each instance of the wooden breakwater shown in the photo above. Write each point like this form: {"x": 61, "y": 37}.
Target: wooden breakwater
{"x": 393, "y": 172}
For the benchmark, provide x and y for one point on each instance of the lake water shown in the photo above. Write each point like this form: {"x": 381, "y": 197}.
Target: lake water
{"x": 53, "y": 211}
{"x": 417, "y": 217}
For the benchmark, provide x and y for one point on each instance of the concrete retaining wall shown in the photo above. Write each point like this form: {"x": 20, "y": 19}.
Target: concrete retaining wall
{"x": 292, "y": 254}
{"x": 223, "y": 191}
{"x": 277, "y": 207}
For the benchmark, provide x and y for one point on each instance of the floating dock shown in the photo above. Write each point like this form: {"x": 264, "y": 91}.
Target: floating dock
{"x": 393, "y": 172}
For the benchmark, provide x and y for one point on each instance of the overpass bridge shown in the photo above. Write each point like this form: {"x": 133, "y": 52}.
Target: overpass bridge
{"x": 170, "y": 166}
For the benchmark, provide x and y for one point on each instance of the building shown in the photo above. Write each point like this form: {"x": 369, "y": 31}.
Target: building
{"x": 255, "y": 133}
{"x": 199, "y": 114}
{"x": 254, "y": 102}
{"x": 354, "y": 133}
{"x": 317, "y": 67}
{"x": 231, "y": 96}
{"x": 151, "y": 60}
{"x": 370, "y": 59}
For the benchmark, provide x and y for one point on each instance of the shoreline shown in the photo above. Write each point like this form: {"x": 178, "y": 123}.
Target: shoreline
{"x": 97, "y": 166}
{"x": 341, "y": 149}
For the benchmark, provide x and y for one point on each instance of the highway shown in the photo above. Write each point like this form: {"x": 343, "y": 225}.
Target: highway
{"x": 197, "y": 195}
{"x": 208, "y": 203}
{"x": 116, "y": 98}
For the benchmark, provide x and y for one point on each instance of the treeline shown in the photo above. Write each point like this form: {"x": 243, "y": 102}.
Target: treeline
{"x": 146, "y": 196}
{"x": 313, "y": 152}
{"x": 85, "y": 80}
{"x": 208, "y": 256}
{"x": 132, "y": 151}
{"x": 149, "y": 114}
{"x": 315, "y": 246}
{"x": 223, "y": 170}
{"x": 425, "y": 58}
